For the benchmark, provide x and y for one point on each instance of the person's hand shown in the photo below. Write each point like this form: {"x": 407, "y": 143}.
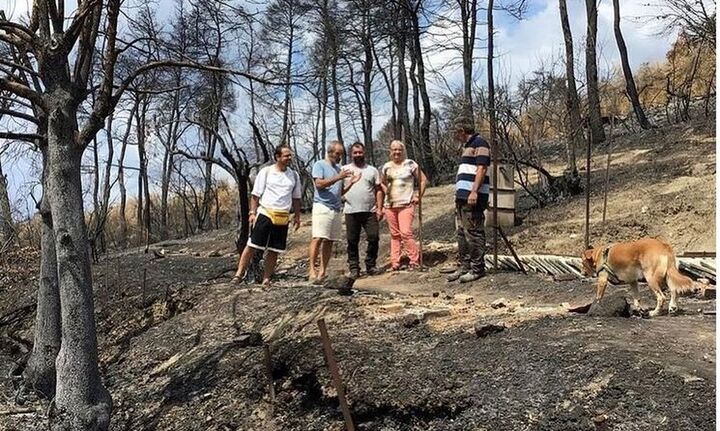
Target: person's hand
{"x": 380, "y": 213}
{"x": 415, "y": 199}
{"x": 251, "y": 219}
{"x": 355, "y": 178}
{"x": 472, "y": 199}
{"x": 296, "y": 222}
{"x": 344, "y": 173}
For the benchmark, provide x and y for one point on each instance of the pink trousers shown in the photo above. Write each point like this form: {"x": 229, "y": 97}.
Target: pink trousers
{"x": 401, "y": 234}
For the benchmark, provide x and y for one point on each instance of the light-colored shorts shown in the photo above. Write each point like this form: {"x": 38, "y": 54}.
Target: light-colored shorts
{"x": 326, "y": 223}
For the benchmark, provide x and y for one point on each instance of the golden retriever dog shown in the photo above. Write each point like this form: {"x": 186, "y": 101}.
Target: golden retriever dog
{"x": 631, "y": 261}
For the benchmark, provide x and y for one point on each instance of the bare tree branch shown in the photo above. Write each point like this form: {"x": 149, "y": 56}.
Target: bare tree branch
{"x": 28, "y": 137}
{"x": 22, "y": 91}
{"x": 16, "y": 114}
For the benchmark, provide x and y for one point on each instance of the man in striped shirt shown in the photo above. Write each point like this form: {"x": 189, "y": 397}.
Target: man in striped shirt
{"x": 472, "y": 191}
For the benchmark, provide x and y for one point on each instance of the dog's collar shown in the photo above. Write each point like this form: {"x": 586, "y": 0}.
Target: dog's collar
{"x": 605, "y": 266}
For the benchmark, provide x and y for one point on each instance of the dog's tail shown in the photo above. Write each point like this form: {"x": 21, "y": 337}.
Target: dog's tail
{"x": 677, "y": 282}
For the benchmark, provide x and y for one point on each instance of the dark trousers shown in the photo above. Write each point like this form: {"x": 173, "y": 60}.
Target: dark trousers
{"x": 354, "y": 223}
{"x": 470, "y": 227}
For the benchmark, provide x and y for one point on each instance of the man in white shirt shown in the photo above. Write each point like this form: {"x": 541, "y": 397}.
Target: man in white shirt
{"x": 363, "y": 210}
{"x": 277, "y": 188}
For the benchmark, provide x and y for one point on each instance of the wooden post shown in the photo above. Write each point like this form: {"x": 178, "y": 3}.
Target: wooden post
{"x": 512, "y": 250}
{"x": 144, "y": 280}
{"x": 587, "y": 189}
{"x": 420, "y": 232}
{"x": 335, "y": 374}
{"x": 493, "y": 127}
{"x": 268, "y": 373}
{"x": 607, "y": 168}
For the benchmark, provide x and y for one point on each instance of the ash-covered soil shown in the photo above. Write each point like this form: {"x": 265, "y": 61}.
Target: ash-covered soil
{"x": 182, "y": 350}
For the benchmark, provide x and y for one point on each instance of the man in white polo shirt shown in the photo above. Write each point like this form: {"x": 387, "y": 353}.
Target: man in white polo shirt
{"x": 277, "y": 188}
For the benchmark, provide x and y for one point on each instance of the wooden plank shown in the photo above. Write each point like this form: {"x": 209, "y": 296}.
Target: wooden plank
{"x": 698, "y": 254}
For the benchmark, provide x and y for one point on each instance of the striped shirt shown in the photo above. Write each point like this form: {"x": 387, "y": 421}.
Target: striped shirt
{"x": 476, "y": 152}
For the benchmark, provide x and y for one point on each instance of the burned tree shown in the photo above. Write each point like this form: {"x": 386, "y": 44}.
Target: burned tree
{"x": 591, "y": 73}
{"x": 573, "y": 123}
{"x": 630, "y": 88}
{"x": 58, "y": 54}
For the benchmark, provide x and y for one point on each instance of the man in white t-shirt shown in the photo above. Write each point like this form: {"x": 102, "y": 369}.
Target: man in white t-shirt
{"x": 363, "y": 210}
{"x": 277, "y": 189}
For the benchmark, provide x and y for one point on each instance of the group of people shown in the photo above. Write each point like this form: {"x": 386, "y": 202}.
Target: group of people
{"x": 365, "y": 196}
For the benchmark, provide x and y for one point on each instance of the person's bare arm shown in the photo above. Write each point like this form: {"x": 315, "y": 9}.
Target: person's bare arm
{"x": 422, "y": 185}
{"x": 355, "y": 178}
{"x": 296, "y": 209}
{"x": 254, "y": 204}
{"x": 477, "y": 183}
{"x": 323, "y": 183}
{"x": 379, "y": 200}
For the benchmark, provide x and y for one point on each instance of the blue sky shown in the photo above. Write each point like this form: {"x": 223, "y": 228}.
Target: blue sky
{"x": 521, "y": 46}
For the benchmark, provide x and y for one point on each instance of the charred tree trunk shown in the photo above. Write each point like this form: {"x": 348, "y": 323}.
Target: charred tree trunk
{"x": 122, "y": 219}
{"x": 336, "y": 98}
{"x": 40, "y": 373}
{"x": 323, "y": 115}
{"x": 468, "y": 21}
{"x": 367, "y": 86}
{"x": 81, "y": 400}
{"x": 243, "y": 209}
{"x": 415, "y": 133}
{"x": 7, "y": 231}
{"x": 424, "y": 135}
{"x": 573, "y": 123}
{"x": 288, "y": 73}
{"x": 205, "y": 221}
{"x": 598, "y": 134}
{"x": 105, "y": 205}
{"x": 630, "y": 87}
{"x": 403, "y": 90}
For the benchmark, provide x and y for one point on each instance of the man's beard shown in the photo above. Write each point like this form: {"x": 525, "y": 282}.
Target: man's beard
{"x": 359, "y": 160}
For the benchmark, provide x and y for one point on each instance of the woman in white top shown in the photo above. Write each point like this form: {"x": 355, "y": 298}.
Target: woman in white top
{"x": 404, "y": 184}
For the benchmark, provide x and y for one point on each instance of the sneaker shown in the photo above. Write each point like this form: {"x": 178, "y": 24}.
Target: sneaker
{"x": 456, "y": 275}
{"x": 355, "y": 273}
{"x": 470, "y": 276}
{"x": 372, "y": 271}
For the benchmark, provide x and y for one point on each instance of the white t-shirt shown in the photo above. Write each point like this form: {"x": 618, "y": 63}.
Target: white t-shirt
{"x": 276, "y": 189}
{"x": 400, "y": 181}
{"x": 361, "y": 196}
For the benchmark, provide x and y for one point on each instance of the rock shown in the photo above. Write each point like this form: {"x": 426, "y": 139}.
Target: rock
{"x": 248, "y": 339}
{"x": 565, "y": 277}
{"x": 612, "y": 305}
{"x": 341, "y": 283}
{"x": 498, "y": 303}
{"x": 215, "y": 253}
{"x": 392, "y": 308}
{"x": 411, "y": 320}
{"x": 708, "y": 293}
{"x": 701, "y": 169}
{"x": 582, "y": 309}
{"x": 436, "y": 312}
{"x": 483, "y": 328}
{"x": 644, "y": 209}
{"x": 464, "y": 299}
{"x": 435, "y": 294}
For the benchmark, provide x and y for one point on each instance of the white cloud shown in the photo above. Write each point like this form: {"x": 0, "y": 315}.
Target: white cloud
{"x": 521, "y": 46}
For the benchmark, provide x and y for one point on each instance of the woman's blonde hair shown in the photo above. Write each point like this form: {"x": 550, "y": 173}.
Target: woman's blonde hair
{"x": 398, "y": 142}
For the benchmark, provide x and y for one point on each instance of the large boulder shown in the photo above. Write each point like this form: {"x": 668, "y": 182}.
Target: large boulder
{"x": 611, "y": 305}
